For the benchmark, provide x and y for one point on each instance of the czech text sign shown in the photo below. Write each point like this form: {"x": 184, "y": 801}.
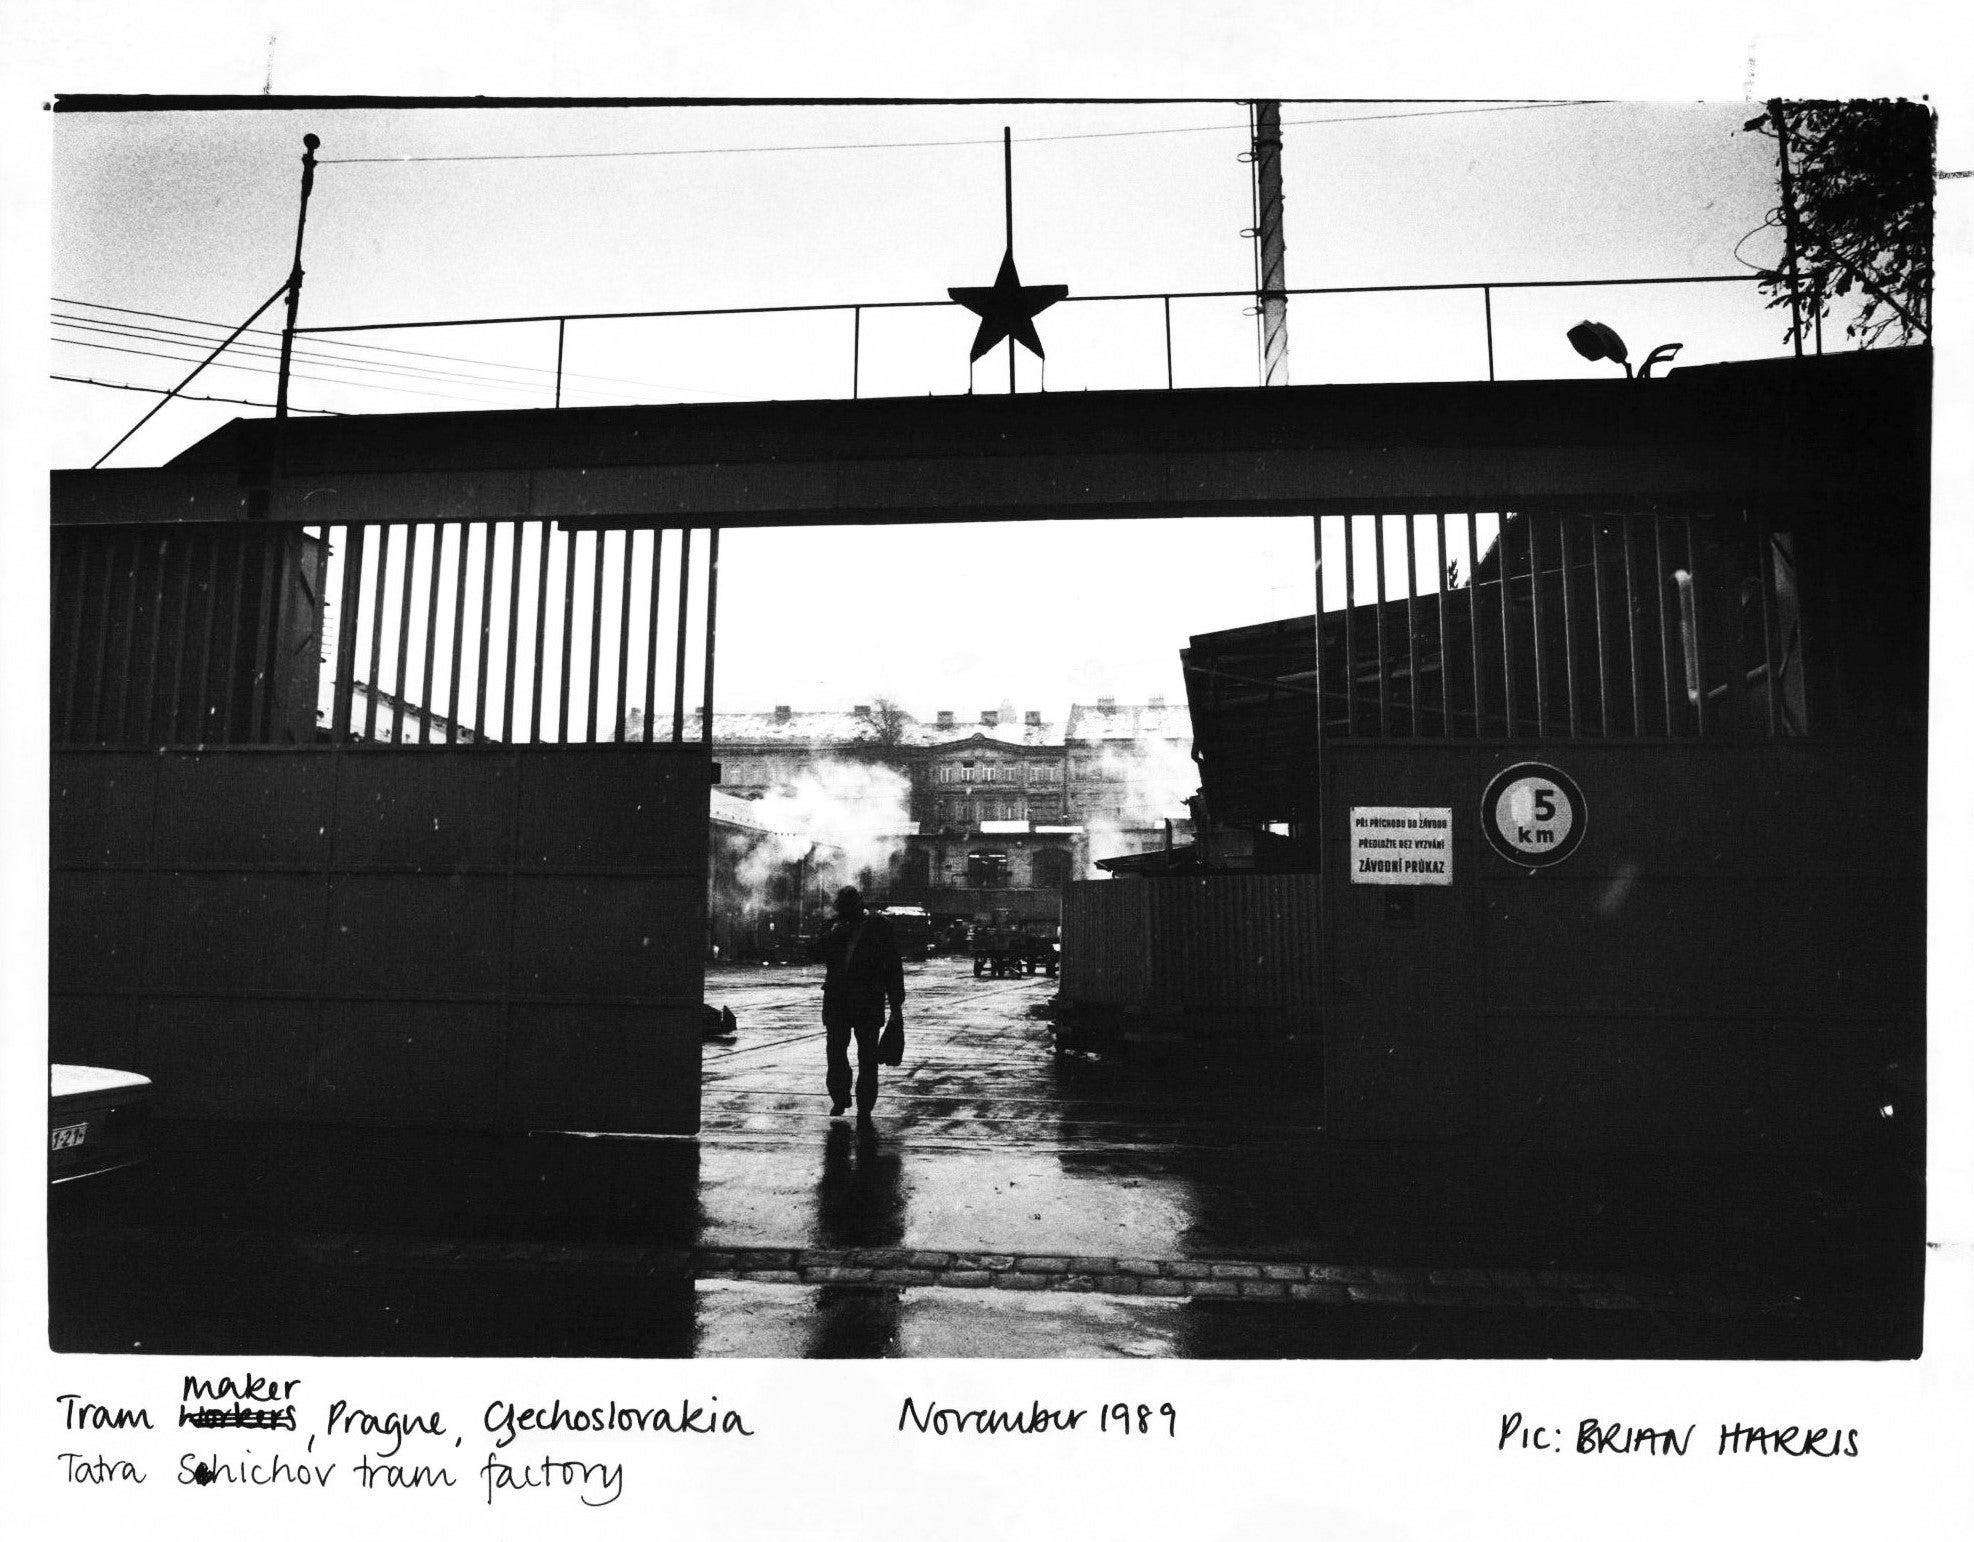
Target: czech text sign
{"x": 1533, "y": 814}
{"x": 1401, "y": 845}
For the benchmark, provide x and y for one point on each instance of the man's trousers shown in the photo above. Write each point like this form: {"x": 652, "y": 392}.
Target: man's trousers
{"x": 838, "y": 1030}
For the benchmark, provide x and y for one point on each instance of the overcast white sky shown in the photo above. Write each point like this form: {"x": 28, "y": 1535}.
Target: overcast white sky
{"x": 188, "y": 215}
{"x": 193, "y": 215}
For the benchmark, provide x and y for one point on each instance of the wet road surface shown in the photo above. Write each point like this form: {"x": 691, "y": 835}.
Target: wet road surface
{"x": 1011, "y": 1203}
{"x": 987, "y": 1140}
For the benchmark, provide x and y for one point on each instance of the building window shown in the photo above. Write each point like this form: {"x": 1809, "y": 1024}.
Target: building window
{"x": 987, "y": 869}
{"x": 1051, "y": 868}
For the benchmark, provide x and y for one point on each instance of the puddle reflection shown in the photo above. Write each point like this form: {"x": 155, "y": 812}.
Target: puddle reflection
{"x": 860, "y": 1202}
{"x": 860, "y": 1198}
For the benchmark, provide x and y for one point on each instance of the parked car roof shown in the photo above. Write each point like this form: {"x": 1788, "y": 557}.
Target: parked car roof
{"x": 67, "y": 1081}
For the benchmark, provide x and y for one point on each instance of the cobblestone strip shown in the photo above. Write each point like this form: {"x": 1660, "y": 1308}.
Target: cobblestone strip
{"x": 1542, "y": 1290}
{"x": 1224, "y": 1279}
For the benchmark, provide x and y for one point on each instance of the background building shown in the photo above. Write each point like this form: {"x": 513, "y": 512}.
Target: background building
{"x": 964, "y": 816}
{"x": 760, "y": 752}
{"x": 994, "y": 828}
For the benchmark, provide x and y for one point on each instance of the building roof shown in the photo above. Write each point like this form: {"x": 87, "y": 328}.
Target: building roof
{"x": 809, "y": 729}
{"x": 749, "y": 814}
{"x": 390, "y": 708}
{"x": 1153, "y": 720}
{"x": 1022, "y": 735}
{"x": 795, "y": 729}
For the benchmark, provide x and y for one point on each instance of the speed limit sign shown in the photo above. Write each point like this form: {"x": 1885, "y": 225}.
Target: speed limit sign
{"x": 1533, "y": 814}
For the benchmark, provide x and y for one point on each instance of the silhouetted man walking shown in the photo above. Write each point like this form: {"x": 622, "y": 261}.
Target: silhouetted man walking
{"x": 862, "y": 974}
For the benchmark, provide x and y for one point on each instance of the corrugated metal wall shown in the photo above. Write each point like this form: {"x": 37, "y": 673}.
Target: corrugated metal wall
{"x": 1105, "y": 943}
{"x": 494, "y": 938}
{"x": 1233, "y": 944}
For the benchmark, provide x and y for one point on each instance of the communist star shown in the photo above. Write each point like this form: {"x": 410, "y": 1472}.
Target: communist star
{"x": 1008, "y": 309}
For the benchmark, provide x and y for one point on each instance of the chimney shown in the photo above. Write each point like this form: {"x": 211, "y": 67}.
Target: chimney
{"x": 1106, "y": 703}
{"x": 989, "y": 719}
{"x": 861, "y": 710}
{"x": 783, "y": 714}
{"x": 1156, "y": 701}
{"x": 945, "y": 720}
{"x": 1032, "y": 719}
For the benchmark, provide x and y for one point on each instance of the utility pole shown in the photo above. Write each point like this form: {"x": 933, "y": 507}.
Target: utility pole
{"x": 1271, "y": 283}
{"x": 310, "y": 144}
{"x": 1007, "y": 184}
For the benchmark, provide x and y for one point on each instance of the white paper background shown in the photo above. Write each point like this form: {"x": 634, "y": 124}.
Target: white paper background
{"x": 1320, "y": 1449}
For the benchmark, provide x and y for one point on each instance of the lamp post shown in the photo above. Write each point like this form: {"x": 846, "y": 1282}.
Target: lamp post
{"x": 1594, "y": 340}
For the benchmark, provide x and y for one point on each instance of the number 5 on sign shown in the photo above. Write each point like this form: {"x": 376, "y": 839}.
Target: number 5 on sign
{"x": 1534, "y": 815}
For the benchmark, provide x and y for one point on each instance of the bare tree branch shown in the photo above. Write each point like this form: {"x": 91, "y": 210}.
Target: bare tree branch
{"x": 1859, "y": 210}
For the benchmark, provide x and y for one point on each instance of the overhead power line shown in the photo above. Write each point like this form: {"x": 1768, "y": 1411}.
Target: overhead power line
{"x": 394, "y": 377}
{"x": 393, "y": 381}
{"x": 241, "y": 401}
{"x": 173, "y": 338}
{"x": 287, "y": 288}
{"x": 250, "y": 369}
{"x": 932, "y": 144}
{"x": 544, "y": 372}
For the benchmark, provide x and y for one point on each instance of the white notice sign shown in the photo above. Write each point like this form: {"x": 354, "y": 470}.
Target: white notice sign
{"x": 1401, "y": 845}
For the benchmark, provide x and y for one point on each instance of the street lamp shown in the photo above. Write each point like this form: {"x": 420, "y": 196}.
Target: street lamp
{"x": 1594, "y": 340}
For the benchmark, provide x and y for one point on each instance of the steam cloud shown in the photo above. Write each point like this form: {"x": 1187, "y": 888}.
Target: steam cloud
{"x": 1153, "y": 779}
{"x": 845, "y": 816}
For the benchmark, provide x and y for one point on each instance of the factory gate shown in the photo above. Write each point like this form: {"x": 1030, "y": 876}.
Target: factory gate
{"x": 436, "y": 857}
{"x": 1714, "y": 935}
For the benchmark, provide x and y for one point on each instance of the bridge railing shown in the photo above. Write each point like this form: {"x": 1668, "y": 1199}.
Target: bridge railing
{"x": 1472, "y": 354}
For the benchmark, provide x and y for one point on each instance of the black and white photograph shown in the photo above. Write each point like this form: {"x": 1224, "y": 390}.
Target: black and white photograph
{"x": 1286, "y": 729}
